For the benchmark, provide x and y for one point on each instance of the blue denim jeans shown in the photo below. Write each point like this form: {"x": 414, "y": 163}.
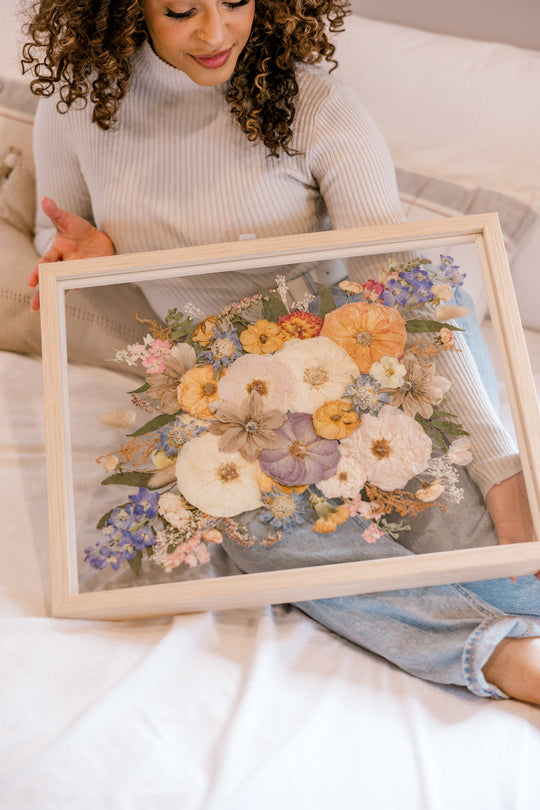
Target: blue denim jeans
{"x": 444, "y": 633}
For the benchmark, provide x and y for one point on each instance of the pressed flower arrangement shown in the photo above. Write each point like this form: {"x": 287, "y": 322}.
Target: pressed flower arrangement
{"x": 273, "y": 410}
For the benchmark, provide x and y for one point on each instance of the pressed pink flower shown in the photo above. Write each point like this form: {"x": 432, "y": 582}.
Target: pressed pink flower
{"x": 372, "y": 533}
{"x": 430, "y": 493}
{"x": 460, "y": 452}
{"x": 261, "y": 373}
{"x": 154, "y": 363}
{"x": 389, "y": 448}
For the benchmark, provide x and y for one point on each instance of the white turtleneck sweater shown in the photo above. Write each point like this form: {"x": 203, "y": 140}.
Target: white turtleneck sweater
{"x": 178, "y": 171}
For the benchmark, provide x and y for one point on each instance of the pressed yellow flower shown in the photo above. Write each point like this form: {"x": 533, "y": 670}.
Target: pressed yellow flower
{"x": 335, "y": 420}
{"x": 204, "y": 332}
{"x": 262, "y": 337}
{"x": 197, "y": 390}
{"x": 267, "y": 484}
{"x": 325, "y": 525}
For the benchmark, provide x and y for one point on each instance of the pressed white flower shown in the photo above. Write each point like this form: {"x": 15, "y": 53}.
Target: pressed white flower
{"x": 262, "y": 373}
{"x": 321, "y": 371}
{"x": 219, "y": 484}
{"x": 388, "y": 371}
{"x": 172, "y": 508}
{"x": 346, "y": 482}
{"x": 389, "y": 448}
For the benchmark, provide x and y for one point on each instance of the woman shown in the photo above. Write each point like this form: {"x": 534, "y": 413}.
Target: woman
{"x": 199, "y": 122}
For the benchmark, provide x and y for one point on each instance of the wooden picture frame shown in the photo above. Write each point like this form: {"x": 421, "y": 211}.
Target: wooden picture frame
{"x": 481, "y": 231}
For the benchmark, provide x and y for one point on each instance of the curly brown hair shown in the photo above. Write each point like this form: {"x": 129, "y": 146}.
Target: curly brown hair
{"x": 85, "y": 48}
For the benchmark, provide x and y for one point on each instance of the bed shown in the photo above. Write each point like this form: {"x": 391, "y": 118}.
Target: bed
{"x": 257, "y": 708}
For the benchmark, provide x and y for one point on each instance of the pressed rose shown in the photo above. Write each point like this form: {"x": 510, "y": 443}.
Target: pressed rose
{"x": 335, "y": 419}
{"x": 373, "y": 290}
{"x": 197, "y": 390}
{"x": 219, "y": 484}
{"x": 246, "y": 428}
{"x": 212, "y": 536}
{"x": 421, "y": 390}
{"x": 351, "y": 287}
{"x": 320, "y": 370}
{"x": 389, "y": 448}
{"x": 367, "y": 332}
{"x": 301, "y": 325}
{"x": 164, "y": 386}
{"x": 302, "y": 457}
{"x": 388, "y": 372}
{"x": 265, "y": 374}
{"x": 262, "y": 337}
{"x": 111, "y": 463}
{"x": 446, "y": 338}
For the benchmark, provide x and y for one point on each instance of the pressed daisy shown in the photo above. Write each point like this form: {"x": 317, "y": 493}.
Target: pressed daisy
{"x": 246, "y": 428}
{"x": 365, "y": 395}
{"x": 164, "y": 386}
{"x": 197, "y": 390}
{"x": 300, "y": 324}
{"x": 282, "y": 510}
{"x": 389, "y": 448}
{"x": 320, "y": 370}
{"x": 222, "y": 349}
{"x": 262, "y": 337}
{"x": 262, "y": 373}
{"x": 301, "y": 457}
{"x": 388, "y": 371}
{"x": 219, "y": 484}
{"x": 422, "y": 388}
{"x": 335, "y": 419}
{"x": 367, "y": 332}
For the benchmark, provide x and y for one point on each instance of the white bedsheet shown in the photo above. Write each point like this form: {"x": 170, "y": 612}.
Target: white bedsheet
{"x": 240, "y": 710}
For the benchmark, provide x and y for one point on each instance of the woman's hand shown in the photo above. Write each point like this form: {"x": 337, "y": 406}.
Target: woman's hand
{"x": 508, "y": 506}
{"x": 75, "y": 238}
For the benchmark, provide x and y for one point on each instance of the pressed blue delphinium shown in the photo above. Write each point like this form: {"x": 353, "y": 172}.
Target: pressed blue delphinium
{"x": 364, "y": 394}
{"x": 284, "y": 510}
{"x": 223, "y": 349}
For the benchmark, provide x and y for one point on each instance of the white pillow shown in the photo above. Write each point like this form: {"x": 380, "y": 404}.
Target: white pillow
{"x": 454, "y": 108}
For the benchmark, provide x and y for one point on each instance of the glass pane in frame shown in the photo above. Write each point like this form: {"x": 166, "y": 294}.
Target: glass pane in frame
{"x": 84, "y": 426}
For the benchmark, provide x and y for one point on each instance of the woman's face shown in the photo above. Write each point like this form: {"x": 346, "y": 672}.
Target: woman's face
{"x": 202, "y": 38}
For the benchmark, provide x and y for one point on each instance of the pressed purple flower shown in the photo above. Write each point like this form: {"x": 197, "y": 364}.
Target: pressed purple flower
{"x": 301, "y": 457}
{"x": 143, "y": 537}
{"x": 451, "y": 271}
{"x": 100, "y": 556}
{"x": 420, "y": 283}
{"x": 145, "y": 503}
{"x": 397, "y": 292}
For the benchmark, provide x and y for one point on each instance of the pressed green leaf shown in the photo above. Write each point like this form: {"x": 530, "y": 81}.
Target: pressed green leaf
{"x": 140, "y": 390}
{"x": 326, "y": 300}
{"x": 272, "y": 305}
{"x": 154, "y": 424}
{"x": 136, "y": 563}
{"x": 129, "y": 479}
{"x": 104, "y": 518}
{"x": 421, "y": 325}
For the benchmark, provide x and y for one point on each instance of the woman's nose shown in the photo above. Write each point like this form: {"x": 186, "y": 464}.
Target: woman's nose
{"x": 212, "y": 28}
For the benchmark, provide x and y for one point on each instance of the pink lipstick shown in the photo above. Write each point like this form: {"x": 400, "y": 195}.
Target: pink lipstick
{"x": 213, "y": 60}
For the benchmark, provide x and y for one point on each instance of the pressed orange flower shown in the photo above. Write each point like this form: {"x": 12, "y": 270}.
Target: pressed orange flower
{"x": 197, "y": 390}
{"x": 367, "y": 332}
{"x": 335, "y": 420}
{"x": 330, "y": 522}
{"x": 267, "y": 484}
{"x": 300, "y": 324}
{"x": 204, "y": 332}
{"x": 262, "y": 337}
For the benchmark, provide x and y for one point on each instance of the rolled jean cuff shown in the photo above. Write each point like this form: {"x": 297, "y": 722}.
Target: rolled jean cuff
{"x": 482, "y": 643}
